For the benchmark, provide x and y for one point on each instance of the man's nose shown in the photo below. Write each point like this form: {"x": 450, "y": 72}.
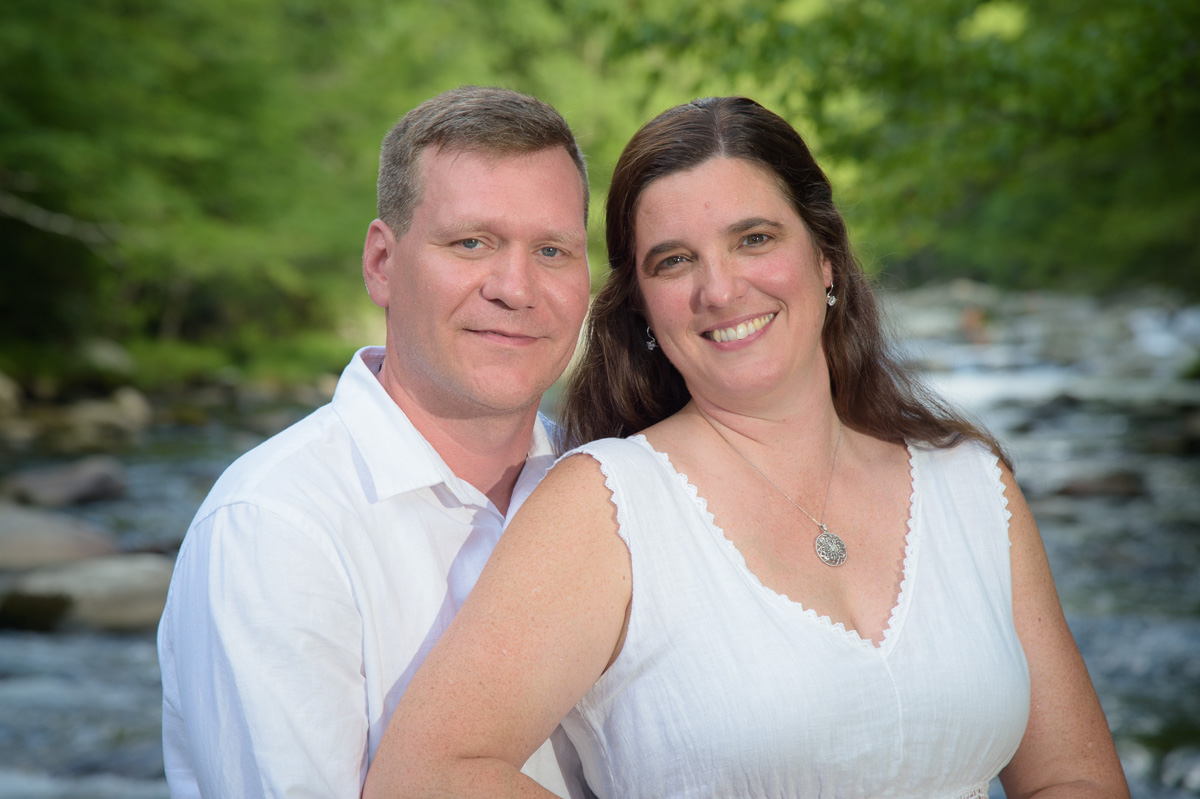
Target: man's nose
{"x": 512, "y": 280}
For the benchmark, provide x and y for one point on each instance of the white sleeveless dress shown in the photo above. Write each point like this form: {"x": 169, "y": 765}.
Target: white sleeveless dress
{"x": 725, "y": 688}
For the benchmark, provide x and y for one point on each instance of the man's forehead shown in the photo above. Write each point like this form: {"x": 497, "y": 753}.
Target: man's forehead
{"x": 446, "y": 172}
{"x": 442, "y": 157}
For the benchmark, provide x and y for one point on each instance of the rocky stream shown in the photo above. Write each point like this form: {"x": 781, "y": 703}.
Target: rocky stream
{"x": 1091, "y": 397}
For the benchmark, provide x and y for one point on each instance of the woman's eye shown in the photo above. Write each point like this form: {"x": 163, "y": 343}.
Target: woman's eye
{"x": 755, "y": 239}
{"x": 674, "y": 260}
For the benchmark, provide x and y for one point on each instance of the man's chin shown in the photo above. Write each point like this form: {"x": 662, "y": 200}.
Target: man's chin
{"x": 499, "y": 398}
{"x": 511, "y": 386}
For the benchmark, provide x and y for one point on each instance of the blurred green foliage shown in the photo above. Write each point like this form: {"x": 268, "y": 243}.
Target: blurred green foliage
{"x": 194, "y": 179}
{"x": 1025, "y": 143}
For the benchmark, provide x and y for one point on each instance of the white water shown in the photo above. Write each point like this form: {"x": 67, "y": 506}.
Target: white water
{"x": 79, "y": 714}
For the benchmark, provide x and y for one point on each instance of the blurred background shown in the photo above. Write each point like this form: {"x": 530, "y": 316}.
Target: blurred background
{"x": 185, "y": 188}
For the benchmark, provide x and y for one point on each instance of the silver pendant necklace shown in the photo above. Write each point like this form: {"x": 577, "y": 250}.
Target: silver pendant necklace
{"x": 831, "y": 549}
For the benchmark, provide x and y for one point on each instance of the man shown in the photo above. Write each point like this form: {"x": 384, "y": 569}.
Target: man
{"x": 327, "y": 562}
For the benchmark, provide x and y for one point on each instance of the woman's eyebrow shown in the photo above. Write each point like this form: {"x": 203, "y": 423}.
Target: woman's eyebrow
{"x": 660, "y": 249}
{"x": 742, "y": 225}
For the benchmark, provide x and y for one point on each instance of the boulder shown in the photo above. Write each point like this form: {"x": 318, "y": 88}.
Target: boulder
{"x": 10, "y": 397}
{"x": 1120, "y": 484}
{"x": 17, "y": 433}
{"x": 1059, "y": 509}
{"x": 1191, "y": 432}
{"x": 113, "y": 593}
{"x": 31, "y": 538}
{"x": 315, "y": 393}
{"x": 95, "y": 478}
{"x": 270, "y": 422}
{"x": 1181, "y": 768}
{"x": 106, "y": 357}
{"x": 101, "y": 424}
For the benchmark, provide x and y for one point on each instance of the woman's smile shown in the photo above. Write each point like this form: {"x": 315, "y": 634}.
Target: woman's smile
{"x": 740, "y": 330}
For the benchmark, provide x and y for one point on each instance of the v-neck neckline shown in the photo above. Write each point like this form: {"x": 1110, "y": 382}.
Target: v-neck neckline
{"x": 899, "y": 607}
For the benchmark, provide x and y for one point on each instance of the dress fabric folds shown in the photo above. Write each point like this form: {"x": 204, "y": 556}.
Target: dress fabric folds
{"x": 725, "y": 688}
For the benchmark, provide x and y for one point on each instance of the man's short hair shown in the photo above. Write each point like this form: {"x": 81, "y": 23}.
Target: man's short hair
{"x": 488, "y": 120}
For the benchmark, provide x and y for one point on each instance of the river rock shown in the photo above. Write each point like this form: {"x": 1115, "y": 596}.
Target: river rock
{"x": 1191, "y": 432}
{"x": 275, "y": 420}
{"x": 102, "y": 424}
{"x": 17, "y": 433}
{"x": 10, "y": 397}
{"x": 87, "y": 480}
{"x": 315, "y": 393}
{"x": 106, "y": 357}
{"x": 31, "y": 538}
{"x": 1122, "y": 484}
{"x": 113, "y": 593}
{"x": 1059, "y": 509}
{"x": 1181, "y": 767}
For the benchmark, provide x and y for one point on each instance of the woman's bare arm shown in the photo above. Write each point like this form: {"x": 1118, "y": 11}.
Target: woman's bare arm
{"x": 1067, "y": 750}
{"x": 540, "y": 627}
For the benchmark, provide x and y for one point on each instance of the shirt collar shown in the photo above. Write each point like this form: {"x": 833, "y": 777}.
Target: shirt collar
{"x": 538, "y": 461}
{"x": 397, "y": 458}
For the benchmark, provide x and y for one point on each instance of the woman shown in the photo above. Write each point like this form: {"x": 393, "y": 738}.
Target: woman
{"x": 801, "y": 578}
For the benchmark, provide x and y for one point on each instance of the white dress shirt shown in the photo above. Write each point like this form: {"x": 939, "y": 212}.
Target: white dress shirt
{"x": 312, "y": 583}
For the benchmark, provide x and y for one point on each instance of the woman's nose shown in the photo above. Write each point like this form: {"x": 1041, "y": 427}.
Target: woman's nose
{"x": 720, "y": 283}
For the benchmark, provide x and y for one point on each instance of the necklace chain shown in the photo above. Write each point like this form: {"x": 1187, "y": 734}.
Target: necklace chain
{"x": 830, "y": 548}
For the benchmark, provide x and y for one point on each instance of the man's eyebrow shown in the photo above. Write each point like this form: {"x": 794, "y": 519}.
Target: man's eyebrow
{"x": 467, "y": 228}
{"x": 460, "y": 228}
{"x": 565, "y": 237}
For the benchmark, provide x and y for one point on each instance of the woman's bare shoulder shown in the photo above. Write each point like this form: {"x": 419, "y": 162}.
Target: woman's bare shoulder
{"x": 575, "y": 490}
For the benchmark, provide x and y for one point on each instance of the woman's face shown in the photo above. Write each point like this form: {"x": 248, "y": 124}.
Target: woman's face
{"x": 733, "y": 285}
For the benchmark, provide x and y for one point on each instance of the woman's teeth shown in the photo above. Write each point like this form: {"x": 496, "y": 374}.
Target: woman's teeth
{"x": 741, "y": 330}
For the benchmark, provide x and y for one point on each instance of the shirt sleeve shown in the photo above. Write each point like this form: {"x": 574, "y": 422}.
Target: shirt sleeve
{"x": 262, "y": 651}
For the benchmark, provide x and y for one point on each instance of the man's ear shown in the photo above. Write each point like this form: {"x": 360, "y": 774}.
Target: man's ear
{"x": 377, "y": 254}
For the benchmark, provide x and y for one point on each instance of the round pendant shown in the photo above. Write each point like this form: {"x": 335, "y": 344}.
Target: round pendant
{"x": 830, "y": 549}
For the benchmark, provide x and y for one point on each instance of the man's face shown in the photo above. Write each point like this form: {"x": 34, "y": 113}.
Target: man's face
{"x": 486, "y": 291}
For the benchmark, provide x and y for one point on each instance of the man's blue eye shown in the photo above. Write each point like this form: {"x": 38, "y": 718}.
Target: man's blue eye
{"x": 550, "y": 252}
{"x": 471, "y": 244}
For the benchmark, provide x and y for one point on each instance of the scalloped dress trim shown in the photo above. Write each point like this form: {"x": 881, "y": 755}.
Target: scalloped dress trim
{"x": 609, "y": 483}
{"x": 996, "y": 474}
{"x": 911, "y": 546}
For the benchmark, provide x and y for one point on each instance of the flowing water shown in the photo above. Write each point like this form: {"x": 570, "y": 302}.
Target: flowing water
{"x": 79, "y": 713}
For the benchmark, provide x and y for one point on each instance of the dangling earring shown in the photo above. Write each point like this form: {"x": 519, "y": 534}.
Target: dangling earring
{"x": 830, "y": 297}
{"x": 651, "y": 342}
